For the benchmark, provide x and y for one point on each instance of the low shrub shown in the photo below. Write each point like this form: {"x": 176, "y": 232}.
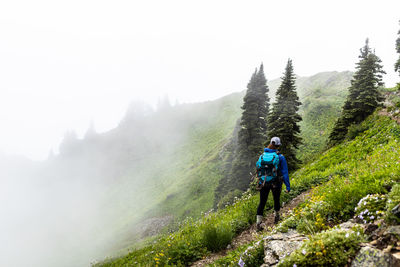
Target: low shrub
{"x": 229, "y": 198}
{"x": 328, "y": 248}
{"x": 180, "y": 253}
{"x": 309, "y": 218}
{"x": 370, "y": 208}
{"x": 246, "y": 255}
{"x": 355, "y": 130}
{"x": 217, "y": 238}
{"x": 290, "y": 222}
{"x": 253, "y": 256}
{"x": 393, "y": 200}
{"x": 312, "y": 217}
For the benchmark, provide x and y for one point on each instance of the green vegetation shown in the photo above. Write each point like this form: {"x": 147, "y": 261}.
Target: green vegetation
{"x": 366, "y": 165}
{"x": 328, "y": 248}
{"x": 370, "y": 208}
{"x": 393, "y": 201}
{"x": 397, "y": 64}
{"x": 322, "y": 97}
{"x": 369, "y": 164}
{"x": 284, "y": 118}
{"x": 193, "y": 238}
{"x": 364, "y": 96}
{"x": 252, "y": 132}
{"x": 251, "y": 254}
{"x": 344, "y": 176}
{"x": 171, "y": 161}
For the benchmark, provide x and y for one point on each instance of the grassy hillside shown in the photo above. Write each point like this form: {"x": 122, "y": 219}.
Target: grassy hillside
{"x": 322, "y": 96}
{"x": 157, "y": 168}
{"x": 367, "y": 164}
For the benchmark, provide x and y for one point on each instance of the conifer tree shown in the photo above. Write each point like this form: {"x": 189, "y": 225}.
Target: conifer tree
{"x": 284, "y": 118}
{"x": 253, "y": 127}
{"x": 363, "y": 97}
{"x": 397, "y": 64}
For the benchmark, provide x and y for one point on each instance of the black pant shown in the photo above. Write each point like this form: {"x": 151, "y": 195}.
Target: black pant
{"x": 276, "y": 188}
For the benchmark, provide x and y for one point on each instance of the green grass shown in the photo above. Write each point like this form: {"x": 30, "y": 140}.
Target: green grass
{"x": 177, "y": 182}
{"x": 182, "y": 181}
{"x": 328, "y": 248}
{"x": 368, "y": 164}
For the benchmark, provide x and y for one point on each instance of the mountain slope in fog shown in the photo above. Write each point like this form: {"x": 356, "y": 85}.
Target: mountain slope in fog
{"x": 106, "y": 192}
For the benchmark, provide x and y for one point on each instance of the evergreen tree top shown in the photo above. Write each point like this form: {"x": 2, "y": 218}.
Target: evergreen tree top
{"x": 284, "y": 120}
{"x": 364, "y": 96}
{"x": 365, "y": 50}
{"x": 368, "y": 70}
{"x": 287, "y": 90}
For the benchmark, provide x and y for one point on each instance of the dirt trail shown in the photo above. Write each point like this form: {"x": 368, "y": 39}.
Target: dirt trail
{"x": 251, "y": 234}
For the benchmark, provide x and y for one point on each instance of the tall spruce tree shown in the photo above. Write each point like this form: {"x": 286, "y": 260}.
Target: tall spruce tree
{"x": 284, "y": 118}
{"x": 363, "y": 97}
{"x": 253, "y": 128}
{"x": 397, "y": 64}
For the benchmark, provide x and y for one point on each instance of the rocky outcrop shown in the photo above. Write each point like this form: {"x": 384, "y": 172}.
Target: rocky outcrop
{"x": 372, "y": 257}
{"x": 279, "y": 245}
{"x": 383, "y": 237}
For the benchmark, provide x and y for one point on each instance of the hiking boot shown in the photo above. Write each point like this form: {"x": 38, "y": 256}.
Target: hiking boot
{"x": 259, "y": 221}
{"x": 277, "y": 217}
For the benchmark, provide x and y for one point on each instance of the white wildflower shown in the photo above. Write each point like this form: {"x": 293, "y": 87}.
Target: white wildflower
{"x": 304, "y": 252}
{"x": 347, "y": 235}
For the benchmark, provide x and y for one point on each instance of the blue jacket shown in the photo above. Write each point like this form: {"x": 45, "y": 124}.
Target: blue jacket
{"x": 282, "y": 167}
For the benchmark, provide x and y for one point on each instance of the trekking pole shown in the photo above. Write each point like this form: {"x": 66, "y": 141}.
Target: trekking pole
{"x": 252, "y": 177}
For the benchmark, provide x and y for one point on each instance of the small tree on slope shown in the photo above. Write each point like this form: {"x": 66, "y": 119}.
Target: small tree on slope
{"x": 363, "y": 97}
{"x": 253, "y": 127}
{"x": 284, "y": 118}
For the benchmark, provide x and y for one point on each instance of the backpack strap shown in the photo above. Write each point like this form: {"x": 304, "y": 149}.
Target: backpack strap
{"x": 274, "y": 169}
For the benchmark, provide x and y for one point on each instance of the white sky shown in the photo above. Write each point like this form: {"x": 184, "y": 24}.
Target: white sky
{"x": 65, "y": 63}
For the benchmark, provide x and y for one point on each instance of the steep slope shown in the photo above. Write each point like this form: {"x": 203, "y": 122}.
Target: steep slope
{"x": 322, "y": 96}
{"x": 117, "y": 188}
{"x": 112, "y": 190}
{"x": 340, "y": 177}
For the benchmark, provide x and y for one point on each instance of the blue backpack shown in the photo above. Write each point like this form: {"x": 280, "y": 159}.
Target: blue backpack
{"x": 267, "y": 167}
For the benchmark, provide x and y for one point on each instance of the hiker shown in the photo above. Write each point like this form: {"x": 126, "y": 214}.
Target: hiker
{"x": 272, "y": 170}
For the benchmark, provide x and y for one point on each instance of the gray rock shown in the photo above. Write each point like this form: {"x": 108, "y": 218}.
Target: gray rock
{"x": 290, "y": 235}
{"x": 278, "y": 246}
{"x": 396, "y": 210}
{"x": 371, "y": 257}
{"x": 393, "y": 230}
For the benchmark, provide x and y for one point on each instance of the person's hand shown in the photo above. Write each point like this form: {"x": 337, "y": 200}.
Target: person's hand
{"x": 287, "y": 191}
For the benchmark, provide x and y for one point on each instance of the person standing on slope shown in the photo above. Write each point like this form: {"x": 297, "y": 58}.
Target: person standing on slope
{"x": 272, "y": 170}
